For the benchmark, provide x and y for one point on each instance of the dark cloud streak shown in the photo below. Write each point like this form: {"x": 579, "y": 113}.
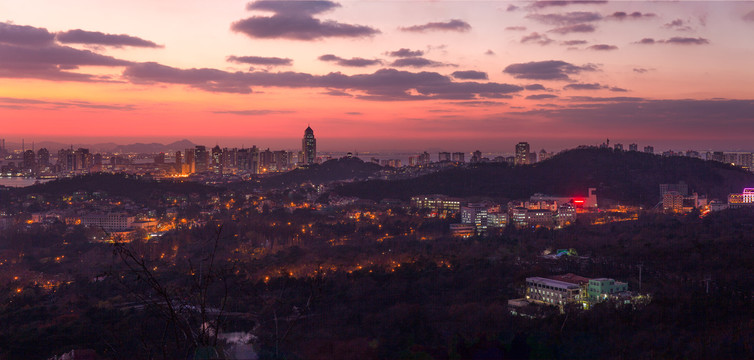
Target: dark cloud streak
{"x": 21, "y": 103}
{"x": 675, "y": 40}
{"x": 294, "y": 20}
{"x": 594, "y": 86}
{"x": 253, "y": 112}
{"x": 602, "y": 47}
{"x": 577, "y": 28}
{"x": 536, "y": 38}
{"x": 546, "y": 70}
{"x": 352, "y": 62}
{"x": 23, "y": 35}
{"x": 403, "y": 52}
{"x": 546, "y": 4}
{"x": 541, "y": 96}
{"x": 470, "y": 75}
{"x": 300, "y": 8}
{"x": 570, "y": 18}
{"x": 260, "y": 60}
{"x": 451, "y": 25}
{"x": 415, "y": 62}
{"x": 622, "y": 15}
{"x": 79, "y": 36}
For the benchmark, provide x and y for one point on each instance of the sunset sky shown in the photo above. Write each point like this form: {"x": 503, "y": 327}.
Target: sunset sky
{"x": 377, "y": 75}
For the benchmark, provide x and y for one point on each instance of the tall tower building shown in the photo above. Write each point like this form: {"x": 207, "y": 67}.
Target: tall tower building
{"x": 190, "y": 161}
{"x": 522, "y": 153}
{"x": 178, "y": 162}
{"x": 29, "y": 159}
{"x": 43, "y": 157}
{"x": 309, "y": 146}
{"x": 201, "y": 159}
{"x": 216, "y": 160}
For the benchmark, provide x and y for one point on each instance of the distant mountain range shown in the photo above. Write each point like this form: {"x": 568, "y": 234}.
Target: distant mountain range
{"x": 109, "y": 146}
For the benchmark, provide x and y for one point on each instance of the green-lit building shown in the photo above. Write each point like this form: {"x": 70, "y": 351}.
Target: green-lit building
{"x": 602, "y": 288}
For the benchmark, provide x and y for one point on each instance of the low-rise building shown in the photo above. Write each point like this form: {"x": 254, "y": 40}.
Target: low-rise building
{"x": 462, "y": 230}
{"x": 565, "y": 215}
{"x": 746, "y": 198}
{"x": 109, "y": 221}
{"x": 483, "y": 215}
{"x": 436, "y": 203}
{"x": 604, "y": 288}
{"x": 590, "y": 201}
{"x": 553, "y": 292}
{"x": 672, "y": 201}
{"x": 523, "y": 217}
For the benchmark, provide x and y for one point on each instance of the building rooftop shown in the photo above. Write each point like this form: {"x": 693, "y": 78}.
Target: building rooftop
{"x": 571, "y": 278}
{"x": 553, "y": 283}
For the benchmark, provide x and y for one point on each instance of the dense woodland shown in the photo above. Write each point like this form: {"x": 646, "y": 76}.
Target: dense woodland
{"x": 446, "y": 300}
{"x": 331, "y": 170}
{"x": 135, "y": 188}
{"x": 628, "y": 177}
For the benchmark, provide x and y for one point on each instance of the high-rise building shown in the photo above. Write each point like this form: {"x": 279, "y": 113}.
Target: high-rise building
{"x": 618, "y": 147}
{"x": 522, "y": 153}
{"x": 672, "y": 201}
{"x": 178, "y": 162}
{"x": 459, "y": 157}
{"x": 544, "y": 155}
{"x": 43, "y": 157}
{"x": 476, "y": 156}
{"x": 309, "y": 146}
{"x": 201, "y": 159}
{"x": 267, "y": 161}
{"x": 248, "y": 160}
{"x": 633, "y": 147}
{"x": 190, "y": 161}
{"x": 29, "y": 160}
{"x": 75, "y": 161}
{"x": 280, "y": 160}
{"x": 443, "y": 156}
{"x": 229, "y": 158}
{"x": 424, "y": 158}
{"x": 159, "y": 158}
{"x": 216, "y": 160}
{"x": 84, "y": 159}
{"x": 97, "y": 159}
{"x": 649, "y": 149}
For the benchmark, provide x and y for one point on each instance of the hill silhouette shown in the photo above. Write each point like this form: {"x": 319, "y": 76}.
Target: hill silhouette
{"x": 629, "y": 177}
{"x": 117, "y": 185}
{"x": 331, "y": 170}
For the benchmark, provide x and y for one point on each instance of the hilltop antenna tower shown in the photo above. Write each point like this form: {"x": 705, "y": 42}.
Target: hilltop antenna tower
{"x": 640, "y": 266}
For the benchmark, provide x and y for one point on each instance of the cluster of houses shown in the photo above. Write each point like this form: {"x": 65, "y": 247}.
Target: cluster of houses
{"x": 479, "y": 217}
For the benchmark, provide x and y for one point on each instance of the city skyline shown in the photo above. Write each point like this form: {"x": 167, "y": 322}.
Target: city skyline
{"x": 370, "y": 76}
